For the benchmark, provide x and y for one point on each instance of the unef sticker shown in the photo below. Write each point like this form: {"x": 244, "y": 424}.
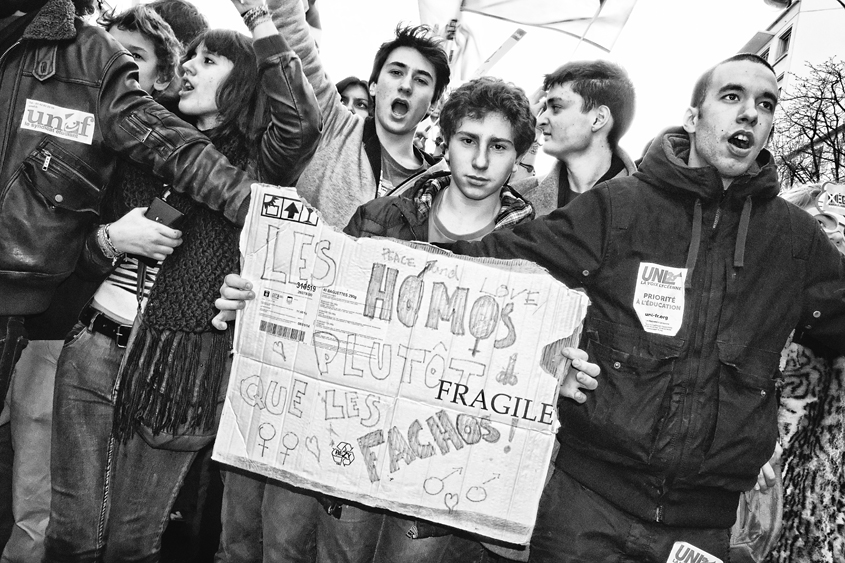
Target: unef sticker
{"x": 69, "y": 124}
{"x": 659, "y": 298}
{"x": 682, "y": 552}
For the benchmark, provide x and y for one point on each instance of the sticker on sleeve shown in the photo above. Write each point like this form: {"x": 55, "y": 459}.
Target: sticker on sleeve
{"x": 682, "y": 552}
{"x": 70, "y": 124}
{"x": 659, "y": 298}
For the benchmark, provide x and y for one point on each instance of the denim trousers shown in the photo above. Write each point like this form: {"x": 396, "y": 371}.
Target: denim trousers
{"x": 575, "y": 525}
{"x": 110, "y": 502}
{"x": 267, "y": 521}
{"x": 30, "y": 409}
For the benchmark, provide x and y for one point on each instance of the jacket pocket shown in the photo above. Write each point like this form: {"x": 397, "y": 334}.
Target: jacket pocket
{"x": 625, "y": 413}
{"x": 746, "y": 418}
{"x": 48, "y": 208}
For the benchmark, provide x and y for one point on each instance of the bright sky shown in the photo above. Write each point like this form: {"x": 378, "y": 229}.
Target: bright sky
{"x": 665, "y": 46}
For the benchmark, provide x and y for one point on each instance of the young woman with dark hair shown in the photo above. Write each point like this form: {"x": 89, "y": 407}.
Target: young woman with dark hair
{"x": 162, "y": 405}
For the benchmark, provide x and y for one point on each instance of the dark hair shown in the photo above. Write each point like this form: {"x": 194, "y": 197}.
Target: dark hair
{"x": 699, "y": 91}
{"x": 482, "y": 96}
{"x": 351, "y": 81}
{"x": 243, "y": 111}
{"x": 420, "y": 39}
{"x": 153, "y": 27}
{"x": 85, "y": 7}
{"x": 599, "y": 83}
{"x": 184, "y": 18}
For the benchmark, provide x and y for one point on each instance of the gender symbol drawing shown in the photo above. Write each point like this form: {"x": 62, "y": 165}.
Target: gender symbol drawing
{"x": 313, "y": 446}
{"x": 507, "y": 375}
{"x": 266, "y": 432}
{"x": 478, "y": 493}
{"x": 289, "y": 441}
{"x": 434, "y": 485}
{"x": 342, "y": 454}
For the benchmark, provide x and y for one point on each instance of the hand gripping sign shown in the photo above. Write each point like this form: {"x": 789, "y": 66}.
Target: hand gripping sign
{"x": 395, "y": 375}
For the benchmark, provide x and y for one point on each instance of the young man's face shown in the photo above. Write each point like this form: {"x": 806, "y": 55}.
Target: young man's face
{"x": 567, "y": 130}
{"x": 143, "y": 51}
{"x": 481, "y": 156}
{"x": 404, "y": 91}
{"x": 733, "y": 123}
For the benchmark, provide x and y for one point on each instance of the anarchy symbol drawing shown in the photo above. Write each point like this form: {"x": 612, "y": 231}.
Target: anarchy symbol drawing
{"x": 342, "y": 454}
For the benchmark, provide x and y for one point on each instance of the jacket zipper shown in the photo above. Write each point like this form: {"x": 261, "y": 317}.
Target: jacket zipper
{"x": 48, "y": 157}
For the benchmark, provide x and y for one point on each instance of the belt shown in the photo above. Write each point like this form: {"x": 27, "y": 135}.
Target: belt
{"x": 99, "y": 322}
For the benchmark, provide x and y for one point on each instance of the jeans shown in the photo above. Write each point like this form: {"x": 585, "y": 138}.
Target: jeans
{"x": 266, "y": 521}
{"x": 574, "y": 524}
{"x": 82, "y": 446}
{"x": 30, "y": 406}
{"x": 110, "y": 501}
{"x": 395, "y": 546}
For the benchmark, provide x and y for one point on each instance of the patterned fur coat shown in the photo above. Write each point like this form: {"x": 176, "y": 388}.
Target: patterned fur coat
{"x": 812, "y": 429}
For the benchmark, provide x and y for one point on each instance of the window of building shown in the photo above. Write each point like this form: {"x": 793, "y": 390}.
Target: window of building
{"x": 765, "y": 55}
{"x": 783, "y": 42}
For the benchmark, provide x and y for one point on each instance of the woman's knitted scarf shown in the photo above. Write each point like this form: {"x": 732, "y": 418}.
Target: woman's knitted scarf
{"x": 171, "y": 374}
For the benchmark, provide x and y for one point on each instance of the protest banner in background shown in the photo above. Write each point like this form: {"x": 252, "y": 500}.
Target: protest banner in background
{"x": 395, "y": 375}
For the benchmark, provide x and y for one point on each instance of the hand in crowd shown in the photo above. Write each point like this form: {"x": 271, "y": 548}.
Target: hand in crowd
{"x": 767, "y": 478}
{"x": 234, "y": 293}
{"x": 135, "y": 234}
{"x": 581, "y": 374}
{"x": 246, "y": 5}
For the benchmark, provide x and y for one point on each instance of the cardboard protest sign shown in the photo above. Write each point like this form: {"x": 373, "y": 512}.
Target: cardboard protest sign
{"x": 395, "y": 375}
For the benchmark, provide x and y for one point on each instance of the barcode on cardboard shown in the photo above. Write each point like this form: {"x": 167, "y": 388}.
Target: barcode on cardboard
{"x": 282, "y": 331}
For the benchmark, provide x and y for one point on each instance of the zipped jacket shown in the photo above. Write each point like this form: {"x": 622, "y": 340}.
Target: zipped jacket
{"x": 71, "y": 105}
{"x": 681, "y": 423}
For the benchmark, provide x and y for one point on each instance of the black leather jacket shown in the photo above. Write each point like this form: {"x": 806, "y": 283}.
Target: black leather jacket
{"x": 71, "y": 106}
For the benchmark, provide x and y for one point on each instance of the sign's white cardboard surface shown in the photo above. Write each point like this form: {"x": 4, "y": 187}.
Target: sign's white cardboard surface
{"x": 395, "y": 375}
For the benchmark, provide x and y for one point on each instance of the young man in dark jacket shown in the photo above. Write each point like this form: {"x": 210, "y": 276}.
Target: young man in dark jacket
{"x": 697, "y": 274}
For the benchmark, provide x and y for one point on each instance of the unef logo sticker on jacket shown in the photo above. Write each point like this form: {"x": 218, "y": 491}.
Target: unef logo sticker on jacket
{"x": 682, "y": 552}
{"x": 659, "y": 298}
{"x": 70, "y": 124}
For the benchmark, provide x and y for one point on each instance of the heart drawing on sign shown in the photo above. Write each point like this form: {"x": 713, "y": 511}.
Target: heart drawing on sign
{"x": 451, "y": 500}
{"x": 313, "y": 446}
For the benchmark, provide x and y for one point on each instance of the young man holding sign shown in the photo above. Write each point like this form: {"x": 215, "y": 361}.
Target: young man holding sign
{"x": 488, "y": 125}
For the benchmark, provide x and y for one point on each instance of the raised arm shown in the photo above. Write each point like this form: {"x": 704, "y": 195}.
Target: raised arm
{"x": 289, "y": 18}
{"x": 295, "y": 120}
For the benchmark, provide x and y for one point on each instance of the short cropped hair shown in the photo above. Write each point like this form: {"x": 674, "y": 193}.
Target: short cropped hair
{"x": 482, "y": 96}
{"x": 599, "y": 83}
{"x": 184, "y": 18}
{"x": 149, "y": 24}
{"x": 85, "y": 7}
{"x": 420, "y": 39}
{"x": 699, "y": 91}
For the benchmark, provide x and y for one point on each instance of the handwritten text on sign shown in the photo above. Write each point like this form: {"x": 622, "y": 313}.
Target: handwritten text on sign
{"x": 393, "y": 375}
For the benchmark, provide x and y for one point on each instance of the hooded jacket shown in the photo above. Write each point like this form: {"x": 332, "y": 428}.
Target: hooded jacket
{"x": 345, "y": 172}
{"x": 71, "y": 105}
{"x": 681, "y": 423}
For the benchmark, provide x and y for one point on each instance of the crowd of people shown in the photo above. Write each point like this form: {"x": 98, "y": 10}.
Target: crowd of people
{"x": 117, "y": 328}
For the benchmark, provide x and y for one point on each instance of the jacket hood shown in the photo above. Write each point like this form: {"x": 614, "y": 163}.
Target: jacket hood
{"x": 665, "y": 166}
{"x": 54, "y": 22}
